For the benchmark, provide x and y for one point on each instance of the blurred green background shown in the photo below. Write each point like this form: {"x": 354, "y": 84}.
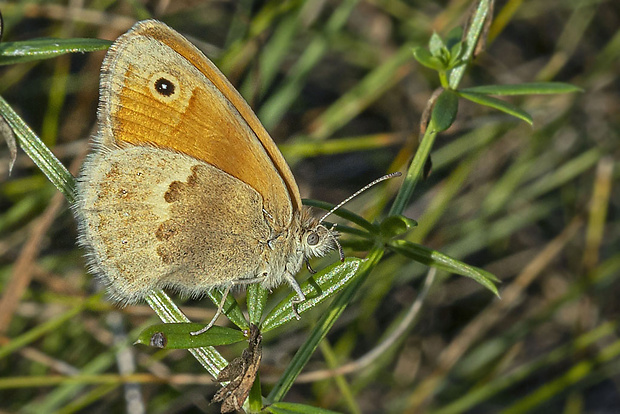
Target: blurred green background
{"x": 336, "y": 85}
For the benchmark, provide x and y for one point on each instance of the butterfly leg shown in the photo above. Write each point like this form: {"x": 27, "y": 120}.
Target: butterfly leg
{"x": 220, "y": 307}
{"x": 300, "y": 295}
{"x": 218, "y": 312}
{"x": 310, "y": 269}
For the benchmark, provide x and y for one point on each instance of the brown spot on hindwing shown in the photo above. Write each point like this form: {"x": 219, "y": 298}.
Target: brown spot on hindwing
{"x": 214, "y": 227}
{"x": 172, "y": 194}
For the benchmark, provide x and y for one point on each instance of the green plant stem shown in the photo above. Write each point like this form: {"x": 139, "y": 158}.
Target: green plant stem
{"x": 255, "y": 398}
{"x": 39, "y": 153}
{"x": 415, "y": 171}
{"x": 443, "y": 78}
{"x": 476, "y": 27}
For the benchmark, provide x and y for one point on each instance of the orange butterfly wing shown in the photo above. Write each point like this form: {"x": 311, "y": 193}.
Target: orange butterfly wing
{"x": 159, "y": 89}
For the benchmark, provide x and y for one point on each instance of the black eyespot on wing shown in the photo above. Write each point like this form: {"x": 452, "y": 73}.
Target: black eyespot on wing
{"x": 164, "y": 87}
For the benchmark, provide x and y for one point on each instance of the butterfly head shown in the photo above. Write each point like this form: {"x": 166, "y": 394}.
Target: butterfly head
{"x": 316, "y": 239}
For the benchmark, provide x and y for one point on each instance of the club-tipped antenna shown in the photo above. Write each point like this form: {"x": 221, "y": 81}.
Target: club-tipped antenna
{"x": 358, "y": 192}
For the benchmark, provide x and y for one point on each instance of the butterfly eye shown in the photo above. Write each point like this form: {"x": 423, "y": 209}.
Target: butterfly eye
{"x": 312, "y": 239}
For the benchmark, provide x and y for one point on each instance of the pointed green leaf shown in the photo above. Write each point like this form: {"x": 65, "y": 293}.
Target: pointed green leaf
{"x": 178, "y": 336}
{"x": 454, "y": 36}
{"x": 425, "y": 58}
{"x": 534, "y": 88}
{"x": 455, "y": 54}
{"x": 444, "y": 111}
{"x": 436, "y": 45}
{"x": 27, "y": 51}
{"x": 169, "y": 312}
{"x": 498, "y": 104}
{"x": 256, "y": 300}
{"x": 317, "y": 289}
{"x": 441, "y": 261}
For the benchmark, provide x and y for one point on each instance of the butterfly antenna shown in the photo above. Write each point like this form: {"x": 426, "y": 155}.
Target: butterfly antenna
{"x": 358, "y": 192}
